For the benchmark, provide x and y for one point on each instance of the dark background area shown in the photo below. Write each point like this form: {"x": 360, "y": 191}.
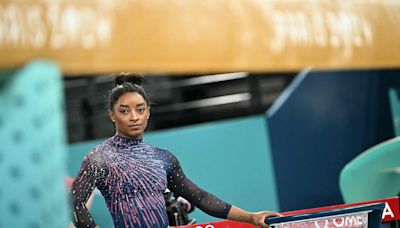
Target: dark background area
{"x": 176, "y": 100}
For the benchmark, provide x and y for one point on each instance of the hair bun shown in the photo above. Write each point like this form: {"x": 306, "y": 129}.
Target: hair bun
{"x": 134, "y": 78}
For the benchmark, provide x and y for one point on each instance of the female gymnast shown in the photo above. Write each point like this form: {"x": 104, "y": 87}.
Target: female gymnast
{"x": 133, "y": 175}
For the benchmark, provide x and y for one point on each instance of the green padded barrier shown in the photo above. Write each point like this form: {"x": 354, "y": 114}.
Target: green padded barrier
{"x": 32, "y": 149}
{"x": 395, "y": 108}
{"x": 374, "y": 174}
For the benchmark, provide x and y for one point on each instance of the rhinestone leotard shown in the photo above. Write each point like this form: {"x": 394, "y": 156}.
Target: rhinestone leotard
{"x": 133, "y": 176}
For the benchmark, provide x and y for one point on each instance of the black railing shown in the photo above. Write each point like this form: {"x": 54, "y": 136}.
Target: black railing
{"x": 176, "y": 100}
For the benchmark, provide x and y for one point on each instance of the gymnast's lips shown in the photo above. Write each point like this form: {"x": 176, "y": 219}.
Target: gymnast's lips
{"x": 134, "y": 126}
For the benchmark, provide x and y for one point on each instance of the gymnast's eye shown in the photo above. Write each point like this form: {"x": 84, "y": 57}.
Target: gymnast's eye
{"x": 141, "y": 110}
{"x": 124, "y": 111}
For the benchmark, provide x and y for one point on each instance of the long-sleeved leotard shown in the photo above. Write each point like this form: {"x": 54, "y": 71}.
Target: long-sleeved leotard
{"x": 133, "y": 176}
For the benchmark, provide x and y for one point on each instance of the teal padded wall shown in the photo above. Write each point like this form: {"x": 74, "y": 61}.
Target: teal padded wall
{"x": 373, "y": 174}
{"x": 231, "y": 159}
{"x": 32, "y": 151}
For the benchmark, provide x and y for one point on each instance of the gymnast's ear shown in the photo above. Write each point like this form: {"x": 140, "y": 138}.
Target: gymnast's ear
{"x": 111, "y": 115}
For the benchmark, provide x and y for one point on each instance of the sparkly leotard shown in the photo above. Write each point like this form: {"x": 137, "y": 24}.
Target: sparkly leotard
{"x": 133, "y": 176}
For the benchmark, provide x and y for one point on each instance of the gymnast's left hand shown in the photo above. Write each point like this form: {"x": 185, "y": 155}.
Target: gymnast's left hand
{"x": 258, "y": 218}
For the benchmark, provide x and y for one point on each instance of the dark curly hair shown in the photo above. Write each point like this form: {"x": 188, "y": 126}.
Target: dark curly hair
{"x": 126, "y": 83}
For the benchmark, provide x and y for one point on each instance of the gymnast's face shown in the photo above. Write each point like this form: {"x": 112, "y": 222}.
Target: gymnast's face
{"x": 130, "y": 114}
